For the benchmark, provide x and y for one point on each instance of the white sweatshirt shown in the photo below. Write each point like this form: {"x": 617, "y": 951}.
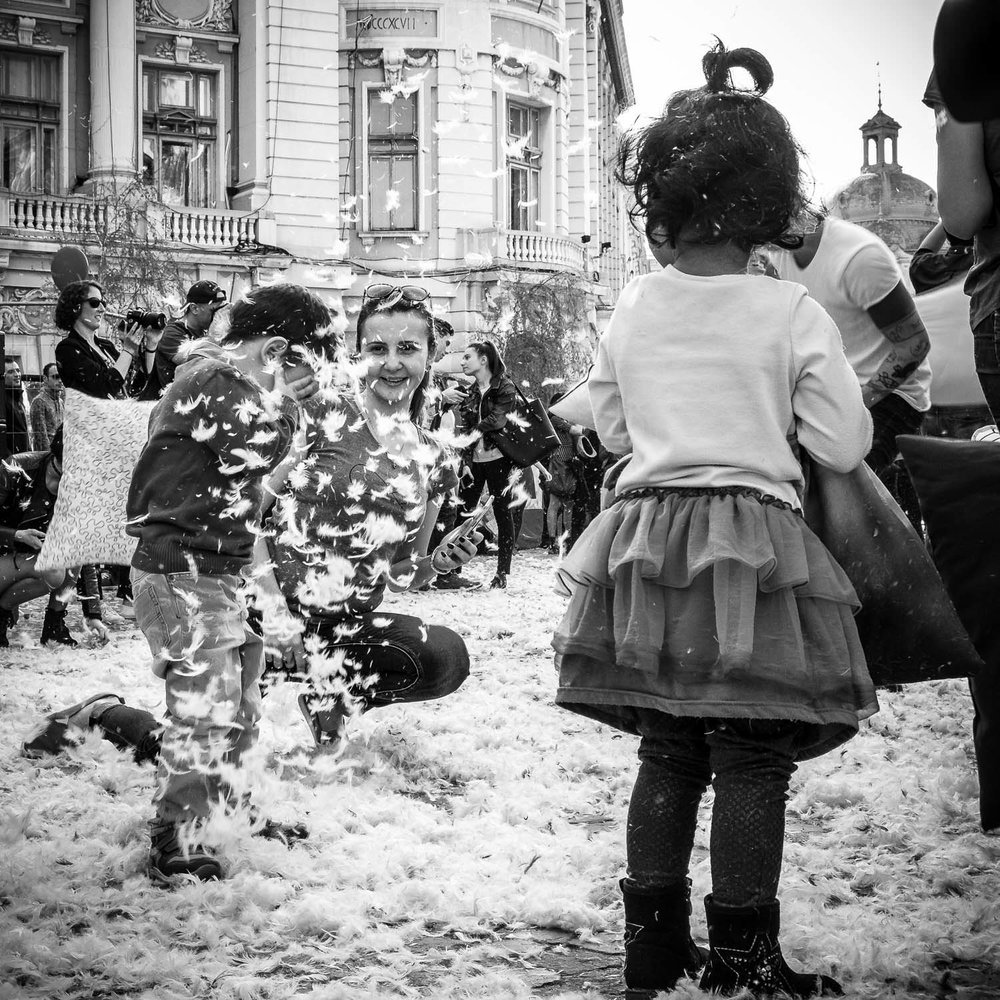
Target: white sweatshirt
{"x": 706, "y": 379}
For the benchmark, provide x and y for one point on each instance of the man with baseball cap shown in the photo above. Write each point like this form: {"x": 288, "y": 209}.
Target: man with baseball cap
{"x": 204, "y": 300}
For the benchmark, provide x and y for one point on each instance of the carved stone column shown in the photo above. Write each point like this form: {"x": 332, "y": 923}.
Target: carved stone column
{"x": 113, "y": 92}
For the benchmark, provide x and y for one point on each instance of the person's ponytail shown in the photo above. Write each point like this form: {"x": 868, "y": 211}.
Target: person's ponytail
{"x": 719, "y": 62}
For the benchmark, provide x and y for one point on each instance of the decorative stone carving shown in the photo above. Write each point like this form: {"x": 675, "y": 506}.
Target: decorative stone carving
{"x": 466, "y": 63}
{"x": 181, "y": 50}
{"x": 393, "y": 61}
{"x": 537, "y": 76}
{"x": 24, "y": 31}
{"x": 28, "y": 310}
{"x": 210, "y": 15}
{"x": 413, "y": 58}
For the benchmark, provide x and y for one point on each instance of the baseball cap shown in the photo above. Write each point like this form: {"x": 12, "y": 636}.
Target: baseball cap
{"x": 205, "y": 292}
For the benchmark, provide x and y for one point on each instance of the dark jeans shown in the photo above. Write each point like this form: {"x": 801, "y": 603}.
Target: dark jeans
{"x": 893, "y": 416}
{"x": 495, "y": 476}
{"x": 959, "y": 422}
{"x": 749, "y": 763}
{"x": 399, "y": 659}
{"x": 388, "y": 658}
{"x": 986, "y": 344}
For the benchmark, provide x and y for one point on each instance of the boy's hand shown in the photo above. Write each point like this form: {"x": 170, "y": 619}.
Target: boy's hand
{"x": 299, "y": 389}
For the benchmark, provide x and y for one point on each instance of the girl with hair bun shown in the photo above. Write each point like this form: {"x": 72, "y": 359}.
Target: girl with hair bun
{"x": 704, "y": 616}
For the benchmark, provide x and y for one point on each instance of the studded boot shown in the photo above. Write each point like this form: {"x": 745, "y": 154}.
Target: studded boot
{"x": 744, "y": 954}
{"x": 658, "y": 946}
{"x": 54, "y": 628}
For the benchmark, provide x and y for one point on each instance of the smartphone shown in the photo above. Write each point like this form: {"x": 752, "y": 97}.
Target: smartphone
{"x": 469, "y": 525}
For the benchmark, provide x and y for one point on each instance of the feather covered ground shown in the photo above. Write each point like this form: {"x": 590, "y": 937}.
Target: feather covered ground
{"x": 465, "y": 848}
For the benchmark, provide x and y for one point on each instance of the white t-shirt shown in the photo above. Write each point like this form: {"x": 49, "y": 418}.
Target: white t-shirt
{"x": 852, "y": 271}
{"x": 707, "y": 380}
{"x": 945, "y": 312}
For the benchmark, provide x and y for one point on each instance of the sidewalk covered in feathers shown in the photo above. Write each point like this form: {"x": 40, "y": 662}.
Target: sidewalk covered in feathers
{"x": 465, "y": 848}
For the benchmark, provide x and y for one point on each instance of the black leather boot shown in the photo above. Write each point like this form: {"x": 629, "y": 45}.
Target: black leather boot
{"x": 658, "y": 946}
{"x": 744, "y": 954}
{"x": 54, "y": 628}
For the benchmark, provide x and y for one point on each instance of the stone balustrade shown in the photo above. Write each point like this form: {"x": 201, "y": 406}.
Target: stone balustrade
{"x": 79, "y": 218}
{"x": 538, "y": 251}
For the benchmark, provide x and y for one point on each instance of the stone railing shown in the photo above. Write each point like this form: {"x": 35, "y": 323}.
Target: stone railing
{"x": 77, "y": 218}
{"x": 539, "y": 248}
{"x": 481, "y": 247}
{"x": 211, "y": 228}
{"x": 49, "y": 216}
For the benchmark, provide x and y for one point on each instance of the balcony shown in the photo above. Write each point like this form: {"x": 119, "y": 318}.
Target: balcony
{"x": 81, "y": 219}
{"x": 534, "y": 251}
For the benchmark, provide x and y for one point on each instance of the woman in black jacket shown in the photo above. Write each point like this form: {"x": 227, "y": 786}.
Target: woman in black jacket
{"x": 484, "y": 410}
{"x": 87, "y": 362}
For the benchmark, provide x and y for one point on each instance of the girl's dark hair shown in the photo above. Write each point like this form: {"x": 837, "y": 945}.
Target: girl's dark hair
{"x": 284, "y": 310}
{"x": 371, "y": 306}
{"x": 720, "y": 164}
{"x": 71, "y": 300}
{"x": 488, "y": 350}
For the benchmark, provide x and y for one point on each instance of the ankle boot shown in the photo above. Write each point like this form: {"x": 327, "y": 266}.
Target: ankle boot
{"x": 744, "y": 954}
{"x": 54, "y": 628}
{"x": 658, "y": 946}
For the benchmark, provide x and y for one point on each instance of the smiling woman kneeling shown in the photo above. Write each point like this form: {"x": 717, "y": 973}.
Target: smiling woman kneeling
{"x": 356, "y": 504}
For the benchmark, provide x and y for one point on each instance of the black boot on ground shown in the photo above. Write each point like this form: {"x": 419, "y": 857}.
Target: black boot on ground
{"x": 658, "y": 947}
{"x": 6, "y": 621}
{"x": 744, "y": 954}
{"x": 54, "y": 628}
{"x": 170, "y": 860}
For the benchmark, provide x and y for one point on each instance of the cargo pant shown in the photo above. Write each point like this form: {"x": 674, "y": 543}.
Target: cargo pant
{"x": 211, "y": 661}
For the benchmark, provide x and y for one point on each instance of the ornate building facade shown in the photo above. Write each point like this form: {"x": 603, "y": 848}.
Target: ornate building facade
{"x": 324, "y": 143}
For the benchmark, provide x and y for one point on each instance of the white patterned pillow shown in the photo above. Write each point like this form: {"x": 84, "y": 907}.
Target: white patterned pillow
{"x": 102, "y": 439}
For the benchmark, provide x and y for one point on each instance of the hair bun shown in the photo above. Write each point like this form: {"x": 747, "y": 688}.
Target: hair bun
{"x": 718, "y": 62}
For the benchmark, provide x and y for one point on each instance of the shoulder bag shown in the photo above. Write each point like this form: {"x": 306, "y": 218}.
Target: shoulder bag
{"x": 908, "y": 627}
{"x": 528, "y": 434}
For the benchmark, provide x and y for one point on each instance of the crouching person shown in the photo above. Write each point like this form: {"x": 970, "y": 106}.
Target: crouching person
{"x": 29, "y": 485}
{"x": 224, "y": 424}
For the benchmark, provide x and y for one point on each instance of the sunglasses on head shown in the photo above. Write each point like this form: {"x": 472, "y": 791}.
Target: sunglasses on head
{"x": 94, "y": 303}
{"x": 388, "y": 295}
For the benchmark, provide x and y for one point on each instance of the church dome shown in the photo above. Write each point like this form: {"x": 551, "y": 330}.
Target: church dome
{"x": 897, "y": 207}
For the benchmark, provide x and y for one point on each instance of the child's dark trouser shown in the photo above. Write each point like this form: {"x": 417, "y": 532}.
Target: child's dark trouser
{"x": 749, "y": 763}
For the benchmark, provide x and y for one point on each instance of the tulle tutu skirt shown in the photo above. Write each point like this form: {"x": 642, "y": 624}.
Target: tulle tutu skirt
{"x": 711, "y": 604}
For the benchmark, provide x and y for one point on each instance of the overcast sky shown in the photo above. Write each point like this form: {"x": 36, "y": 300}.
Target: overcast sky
{"x": 823, "y": 53}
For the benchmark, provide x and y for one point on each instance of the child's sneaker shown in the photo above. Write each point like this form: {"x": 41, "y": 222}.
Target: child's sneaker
{"x": 169, "y": 858}
{"x": 987, "y": 433}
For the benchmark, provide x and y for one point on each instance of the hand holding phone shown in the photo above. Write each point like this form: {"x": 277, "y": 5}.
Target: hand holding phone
{"x": 459, "y": 545}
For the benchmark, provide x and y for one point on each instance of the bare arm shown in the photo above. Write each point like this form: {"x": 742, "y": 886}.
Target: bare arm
{"x": 934, "y": 240}
{"x": 965, "y": 199}
{"x": 898, "y": 321}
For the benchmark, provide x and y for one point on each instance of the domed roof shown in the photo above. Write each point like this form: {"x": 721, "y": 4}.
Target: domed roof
{"x": 894, "y": 205}
{"x": 885, "y": 194}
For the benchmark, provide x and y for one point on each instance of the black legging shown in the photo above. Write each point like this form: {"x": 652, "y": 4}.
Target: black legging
{"x": 495, "y": 476}
{"x": 388, "y": 658}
